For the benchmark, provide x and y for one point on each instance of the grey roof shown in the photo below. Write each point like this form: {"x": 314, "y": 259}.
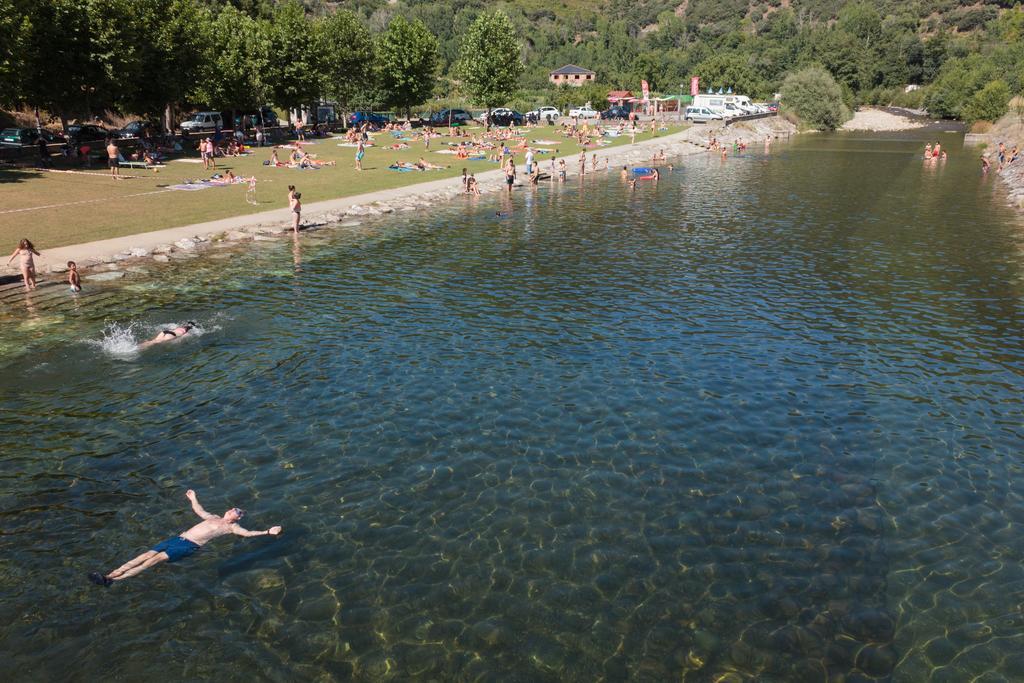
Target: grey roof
{"x": 572, "y": 69}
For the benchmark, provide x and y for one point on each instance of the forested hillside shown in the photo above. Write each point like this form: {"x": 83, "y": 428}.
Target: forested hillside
{"x": 70, "y": 55}
{"x": 873, "y": 48}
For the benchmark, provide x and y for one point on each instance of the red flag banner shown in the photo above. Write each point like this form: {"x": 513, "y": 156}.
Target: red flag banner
{"x": 695, "y": 85}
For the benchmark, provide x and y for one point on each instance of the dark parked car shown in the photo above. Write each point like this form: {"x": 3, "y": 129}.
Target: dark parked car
{"x": 139, "y": 129}
{"x": 16, "y": 137}
{"x": 266, "y": 117}
{"x": 87, "y": 133}
{"x": 505, "y": 118}
{"x": 615, "y": 112}
{"x": 360, "y": 117}
{"x": 451, "y": 117}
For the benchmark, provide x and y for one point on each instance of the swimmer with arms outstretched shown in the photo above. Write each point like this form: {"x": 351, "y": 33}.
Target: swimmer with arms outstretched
{"x": 180, "y": 547}
{"x": 169, "y": 335}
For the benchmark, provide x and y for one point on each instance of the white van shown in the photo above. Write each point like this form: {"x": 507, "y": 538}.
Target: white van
{"x": 715, "y": 103}
{"x": 202, "y": 121}
{"x": 702, "y": 114}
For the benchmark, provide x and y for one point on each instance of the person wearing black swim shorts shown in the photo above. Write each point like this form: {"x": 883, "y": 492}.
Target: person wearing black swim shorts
{"x": 179, "y": 547}
{"x": 112, "y": 155}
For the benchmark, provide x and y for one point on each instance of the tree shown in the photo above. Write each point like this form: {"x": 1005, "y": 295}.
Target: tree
{"x": 814, "y": 96}
{"x": 958, "y": 81}
{"x": 348, "y": 64}
{"x": 233, "y": 73}
{"x": 58, "y": 80}
{"x": 296, "y": 74}
{"x": 989, "y": 103}
{"x": 174, "y": 58}
{"x": 14, "y": 27}
{"x": 489, "y": 63}
{"x": 730, "y": 71}
{"x": 407, "y": 57}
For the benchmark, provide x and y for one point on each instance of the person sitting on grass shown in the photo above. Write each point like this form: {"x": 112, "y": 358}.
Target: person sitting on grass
{"x": 179, "y": 547}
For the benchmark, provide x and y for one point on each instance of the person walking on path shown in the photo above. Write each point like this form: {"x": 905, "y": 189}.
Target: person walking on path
{"x": 179, "y": 547}
{"x": 112, "y": 154}
{"x": 25, "y": 251}
{"x": 295, "y": 205}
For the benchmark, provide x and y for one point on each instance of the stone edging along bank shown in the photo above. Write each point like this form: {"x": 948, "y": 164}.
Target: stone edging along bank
{"x": 101, "y": 260}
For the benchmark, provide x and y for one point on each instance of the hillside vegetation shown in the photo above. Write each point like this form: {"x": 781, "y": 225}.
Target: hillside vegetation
{"x": 68, "y": 56}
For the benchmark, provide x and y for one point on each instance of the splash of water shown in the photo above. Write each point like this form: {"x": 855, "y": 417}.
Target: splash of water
{"x": 117, "y": 340}
{"x": 122, "y": 340}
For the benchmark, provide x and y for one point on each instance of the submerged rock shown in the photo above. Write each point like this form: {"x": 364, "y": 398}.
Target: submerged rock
{"x": 104, "y": 277}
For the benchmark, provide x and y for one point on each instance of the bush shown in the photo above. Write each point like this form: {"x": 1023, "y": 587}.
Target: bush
{"x": 814, "y": 96}
{"x": 989, "y": 103}
{"x": 911, "y": 100}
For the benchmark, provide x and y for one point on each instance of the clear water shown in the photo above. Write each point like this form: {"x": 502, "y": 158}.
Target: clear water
{"x": 762, "y": 422}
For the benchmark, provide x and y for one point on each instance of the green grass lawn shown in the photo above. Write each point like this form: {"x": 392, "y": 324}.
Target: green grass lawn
{"x": 72, "y": 208}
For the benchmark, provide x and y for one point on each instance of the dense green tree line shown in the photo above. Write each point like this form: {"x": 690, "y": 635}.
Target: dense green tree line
{"x": 143, "y": 56}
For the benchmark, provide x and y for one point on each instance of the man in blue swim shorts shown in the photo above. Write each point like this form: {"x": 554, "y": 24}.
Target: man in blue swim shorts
{"x": 180, "y": 547}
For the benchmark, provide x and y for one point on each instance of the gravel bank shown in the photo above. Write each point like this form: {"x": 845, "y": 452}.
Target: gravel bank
{"x": 871, "y": 119}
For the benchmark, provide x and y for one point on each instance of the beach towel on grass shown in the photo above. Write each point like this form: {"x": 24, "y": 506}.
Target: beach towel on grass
{"x": 192, "y": 187}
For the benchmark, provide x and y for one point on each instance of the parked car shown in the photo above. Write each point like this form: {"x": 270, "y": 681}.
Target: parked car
{"x": 772, "y": 107}
{"x": 358, "y": 118}
{"x": 87, "y": 132}
{"x": 202, "y": 122}
{"x": 544, "y": 114}
{"x": 506, "y": 117}
{"x": 139, "y": 129}
{"x": 701, "y": 114}
{"x": 16, "y": 137}
{"x": 264, "y": 116}
{"x": 453, "y": 117}
{"x": 615, "y": 112}
{"x": 584, "y": 112}
{"x": 498, "y": 111}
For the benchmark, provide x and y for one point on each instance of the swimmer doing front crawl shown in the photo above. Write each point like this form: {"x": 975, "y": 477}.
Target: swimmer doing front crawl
{"x": 169, "y": 334}
{"x": 180, "y": 547}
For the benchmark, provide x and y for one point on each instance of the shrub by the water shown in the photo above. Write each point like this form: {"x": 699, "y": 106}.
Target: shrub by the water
{"x": 989, "y": 103}
{"x": 815, "y": 97}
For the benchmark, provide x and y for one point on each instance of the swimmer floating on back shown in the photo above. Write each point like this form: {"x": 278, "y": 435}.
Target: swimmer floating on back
{"x": 180, "y": 547}
{"x": 169, "y": 335}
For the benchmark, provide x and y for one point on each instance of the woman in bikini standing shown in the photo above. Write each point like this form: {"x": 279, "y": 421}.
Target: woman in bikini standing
{"x": 28, "y": 266}
{"x": 296, "y": 207}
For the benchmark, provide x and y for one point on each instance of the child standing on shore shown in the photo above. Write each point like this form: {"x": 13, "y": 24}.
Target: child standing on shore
{"x": 25, "y": 251}
{"x": 74, "y": 281}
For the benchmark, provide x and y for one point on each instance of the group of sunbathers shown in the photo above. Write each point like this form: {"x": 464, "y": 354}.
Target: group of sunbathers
{"x": 298, "y": 158}
{"x": 420, "y": 165}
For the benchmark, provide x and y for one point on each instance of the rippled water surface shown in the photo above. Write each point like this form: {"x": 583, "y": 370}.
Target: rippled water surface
{"x": 761, "y": 422}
